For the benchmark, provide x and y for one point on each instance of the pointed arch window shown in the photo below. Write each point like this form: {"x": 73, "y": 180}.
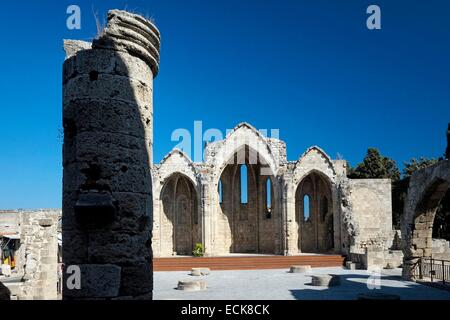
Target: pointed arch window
{"x": 268, "y": 194}
{"x": 306, "y": 207}
{"x": 244, "y": 185}
{"x": 220, "y": 191}
{"x": 268, "y": 198}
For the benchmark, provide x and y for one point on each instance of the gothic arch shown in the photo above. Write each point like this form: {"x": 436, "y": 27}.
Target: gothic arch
{"x": 242, "y": 135}
{"x": 249, "y": 227}
{"x": 180, "y": 222}
{"x": 315, "y": 233}
{"x": 314, "y": 159}
{"x": 426, "y": 189}
{"x": 175, "y": 161}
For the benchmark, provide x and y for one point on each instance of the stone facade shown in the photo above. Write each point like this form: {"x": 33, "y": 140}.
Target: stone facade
{"x": 201, "y": 202}
{"x": 372, "y": 208}
{"x": 37, "y": 257}
{"x": 107, "y": 159}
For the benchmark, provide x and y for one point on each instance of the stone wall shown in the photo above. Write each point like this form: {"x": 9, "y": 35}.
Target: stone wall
{"x": 372, "y": 210}
{"x": 39, "y": 255}
{"x": 377, "y": 258}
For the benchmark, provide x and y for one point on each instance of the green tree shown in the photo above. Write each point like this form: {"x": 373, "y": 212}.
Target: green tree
{"x": 375, "y": 166}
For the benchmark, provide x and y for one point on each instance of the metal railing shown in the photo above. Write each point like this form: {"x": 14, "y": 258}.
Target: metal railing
{"x": 433, "y": 269}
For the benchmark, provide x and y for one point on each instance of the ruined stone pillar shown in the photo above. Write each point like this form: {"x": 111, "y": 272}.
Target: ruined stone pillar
{"x": 208, "y": 214}
{"x": 291, "y": 226}
{"x": 107, "y": 157}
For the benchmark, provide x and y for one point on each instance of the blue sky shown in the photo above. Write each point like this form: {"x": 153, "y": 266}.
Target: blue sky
{"x": 309, "y": 68}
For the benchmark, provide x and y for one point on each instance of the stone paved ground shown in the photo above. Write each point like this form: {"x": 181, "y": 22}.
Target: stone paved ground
{"x": 281, "y": 285}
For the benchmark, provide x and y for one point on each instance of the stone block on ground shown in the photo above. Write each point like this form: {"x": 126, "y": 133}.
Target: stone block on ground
{"x": 200, "y": 271}
{"x": 299, "y": 269}
{"x": 191, "y": 285}
{"x": 325, "y": 280}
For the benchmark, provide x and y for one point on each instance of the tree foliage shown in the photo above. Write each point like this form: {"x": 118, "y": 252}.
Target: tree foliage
{"x": 375, "y": 166}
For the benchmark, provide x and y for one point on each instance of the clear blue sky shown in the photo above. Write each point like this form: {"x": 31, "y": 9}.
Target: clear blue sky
{"x": 309, "y": 68}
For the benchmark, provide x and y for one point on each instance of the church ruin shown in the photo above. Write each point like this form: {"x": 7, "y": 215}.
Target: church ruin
{"x": 120, "y": 210}
{"x": 290, "y": 207}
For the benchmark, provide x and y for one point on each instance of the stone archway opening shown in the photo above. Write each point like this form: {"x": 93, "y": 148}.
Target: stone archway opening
{"x": 427, "y": 188}
{"x": 424, "y": 218}
{"x": 441, "y": 226}
{"x": 180, "y": 206}
{"x": 314, "y": 214}
{"x": 248, "y": 199}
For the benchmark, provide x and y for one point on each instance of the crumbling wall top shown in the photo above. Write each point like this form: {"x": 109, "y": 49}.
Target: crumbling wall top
{"x": 125, "y": 32}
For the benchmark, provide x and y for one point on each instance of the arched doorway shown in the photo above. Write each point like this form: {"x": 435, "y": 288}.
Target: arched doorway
{"x": 426, "y": 190}
{"x": 248, "y": 199}
{"x": 180, "y": 206}
{"x": 314, "y": 214}
{"x": 421, "y": 228}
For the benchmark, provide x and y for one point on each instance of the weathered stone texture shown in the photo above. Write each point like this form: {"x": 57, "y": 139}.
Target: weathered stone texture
{"x": 38, "y": 254}
{"x": 426, "y": 189}
{"x": 372, "y": 210}
{"x": 346, "y": 216}
{"x": 108, "y": 141}
{"x": 97, "y": 281}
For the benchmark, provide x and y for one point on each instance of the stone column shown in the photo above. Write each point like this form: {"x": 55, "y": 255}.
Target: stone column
{"x": 208, "y": 212}
{"x": 107, "y": 158}
{"x": 292, "y": 234}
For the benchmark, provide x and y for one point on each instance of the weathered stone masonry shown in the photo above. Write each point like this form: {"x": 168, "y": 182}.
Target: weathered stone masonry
{"x": 352, "y": 217}
{"x": 36, "y": 270}
{"x": 39, "y": 255}
{"x": 107, "y": 157}
{"x": 426, "y": 189}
